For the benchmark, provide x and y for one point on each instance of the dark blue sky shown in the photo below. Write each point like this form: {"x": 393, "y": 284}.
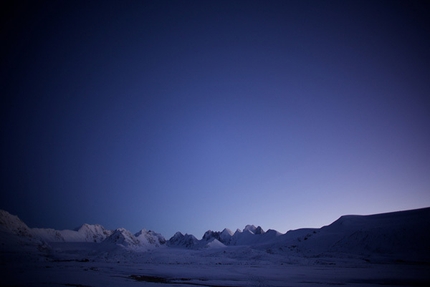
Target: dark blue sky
{"x": 196, "y": 115}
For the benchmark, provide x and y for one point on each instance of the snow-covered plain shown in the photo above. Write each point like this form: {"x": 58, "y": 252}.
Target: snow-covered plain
{"x": 391, "y": 249}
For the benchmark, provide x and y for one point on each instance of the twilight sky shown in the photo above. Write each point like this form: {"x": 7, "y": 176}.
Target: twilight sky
{"x": 197, "y": 115}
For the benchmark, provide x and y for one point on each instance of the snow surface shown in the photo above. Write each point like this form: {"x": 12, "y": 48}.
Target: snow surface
{"x": 391, "y": 249}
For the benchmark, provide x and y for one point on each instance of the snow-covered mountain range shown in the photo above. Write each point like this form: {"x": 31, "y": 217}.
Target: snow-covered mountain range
{"x": 403, "y": 233}
{"x": 390, "y": 249}
{"x": 12, "y": 225}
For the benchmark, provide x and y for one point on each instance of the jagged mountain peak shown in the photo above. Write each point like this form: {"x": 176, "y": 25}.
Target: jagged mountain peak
{"x": 93, "y": 232}
{"x": 178, "y": 234}
{"x": 87, "y": 226}
{"x": 150, "y": 237}
{"x": 227, "y": 231}
{"x": 181, "y": 240}
{"x": 250, "y": 227}
{"x": 259, "y": 230}
{"x": 122, "y": 236}
{"x": 255, "y": 230}
{"x": 211, "y": 234}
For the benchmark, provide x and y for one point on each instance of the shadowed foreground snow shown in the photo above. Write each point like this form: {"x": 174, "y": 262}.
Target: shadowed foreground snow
{"x": 391, "y": 249}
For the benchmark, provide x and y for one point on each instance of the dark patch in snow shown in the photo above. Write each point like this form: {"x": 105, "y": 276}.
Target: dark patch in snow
{"x": 71, "y": 260}
{"x": 152, "y": 279}
{"x": 165, "y": 280}
{"x": 391, "y": 282}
